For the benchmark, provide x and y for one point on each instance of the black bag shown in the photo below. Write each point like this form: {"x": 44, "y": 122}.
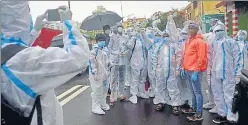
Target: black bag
{"x": 11, "y": 115}
{"x": 241, "y": 92}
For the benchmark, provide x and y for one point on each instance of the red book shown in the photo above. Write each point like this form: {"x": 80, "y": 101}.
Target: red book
{"x": 45, "y": 37}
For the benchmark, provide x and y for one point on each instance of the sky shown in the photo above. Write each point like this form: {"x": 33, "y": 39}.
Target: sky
{"x": 82, "y": 9}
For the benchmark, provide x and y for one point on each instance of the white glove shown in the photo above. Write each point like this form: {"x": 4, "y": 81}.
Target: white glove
{"x": 94, "y": 71}
{"x": 65, "y": 14}
{"x": 237, "y": 79}
{"x": 40, "y": 21}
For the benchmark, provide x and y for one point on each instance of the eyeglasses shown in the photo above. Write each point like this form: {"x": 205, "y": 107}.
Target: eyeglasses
{"x": 218, "y": 30}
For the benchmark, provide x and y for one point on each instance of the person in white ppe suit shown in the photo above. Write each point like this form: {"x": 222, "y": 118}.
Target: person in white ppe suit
{"x": 241, "y": 54}
{"x": 138, "y": 67}
{"x": 36, "y": 71}
{"x": 222, "y": 72}
{"x": 209, "y": 38}
{"x": 98, "y": 75}
{"x": 155, "y": 42}
{"x": 157, "y": 70}
{"x": 118, "y": 58}
{"x": 172, "y": 95}
{"x": 183, "y": 85}
{"x": 128, "y": 66}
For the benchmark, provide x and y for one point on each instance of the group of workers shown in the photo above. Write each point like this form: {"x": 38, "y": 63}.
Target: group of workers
{"x": 173, "y": 61}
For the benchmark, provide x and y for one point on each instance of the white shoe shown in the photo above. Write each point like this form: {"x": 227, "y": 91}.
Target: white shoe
{"x": 208, "y": 106}
{"x": 213, "y": 110}
{"x": 98, "y": 110}
{"x": 105, "y": 107}
{"x": 127, "y": 84}
{"x": 133, "y": 99}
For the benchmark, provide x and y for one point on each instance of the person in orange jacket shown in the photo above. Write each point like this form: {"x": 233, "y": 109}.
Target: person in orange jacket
{"x": 194, "y": 63}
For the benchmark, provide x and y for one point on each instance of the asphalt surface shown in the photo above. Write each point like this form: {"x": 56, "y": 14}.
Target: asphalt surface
{"x": 77, "y": 111}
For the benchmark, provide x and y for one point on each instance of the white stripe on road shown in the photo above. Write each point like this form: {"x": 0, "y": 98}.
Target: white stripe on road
{"x": 69, "y": 98}
{"x": 68, "y": 91}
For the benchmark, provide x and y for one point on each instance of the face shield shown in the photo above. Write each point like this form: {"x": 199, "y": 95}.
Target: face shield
{"x": 157, "y": 36}
{"x": 219, "y": 31}
{"x": 242, "y": 35}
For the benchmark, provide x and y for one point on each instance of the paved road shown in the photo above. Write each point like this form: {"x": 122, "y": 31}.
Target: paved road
{"x": 75, "y": 98}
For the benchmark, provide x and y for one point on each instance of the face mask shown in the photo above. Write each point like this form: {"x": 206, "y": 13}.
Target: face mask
{"x": 157, "y": 39}
{"x": 150, "y": 36}
{"x": 241, "y": 38}
{"x": 101, "y": 44}
{"x": 119, "y": 29}
{"x": 165, "y": 39}
{"x": 220, "y": 34}
{"x": 107, "y": 32}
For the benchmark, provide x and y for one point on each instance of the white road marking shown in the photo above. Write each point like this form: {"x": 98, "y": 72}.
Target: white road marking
{"x": 68, "y": 91}
{"x": 69, "y": 98}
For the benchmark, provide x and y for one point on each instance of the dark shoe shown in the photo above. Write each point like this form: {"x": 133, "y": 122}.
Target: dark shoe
{"x": 188, "y": 111}
{"x": 195, "y": 117}
{"x": 219, "y": 119}
{"x": 123, "y": 99}
{"x": 109, "y": 91}
{"x": 232, "y": 123}
{"x": 175, "y": 110}
{"x": 185, "y": 106}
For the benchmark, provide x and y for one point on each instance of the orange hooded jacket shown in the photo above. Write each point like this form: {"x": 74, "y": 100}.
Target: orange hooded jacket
{"x": 195, "y": 54}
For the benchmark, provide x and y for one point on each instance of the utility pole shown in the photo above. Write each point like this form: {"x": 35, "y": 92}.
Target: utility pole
{"x": 69, "y": 4}
{"x": 121, "y": 11}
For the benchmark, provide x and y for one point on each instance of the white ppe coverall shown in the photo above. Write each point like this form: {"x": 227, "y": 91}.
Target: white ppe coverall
{"x": 128, "y": 66}
{"x": 209, "y": 38}
{"x": 166, "y": 90}
{"x": 222, "y": 71}
{"x": 36, "y": 71}
{"x": 98, "y": 76}
{"x": 138, "y": 69}
{"x": 242, "y": 54}
{"x": 167, "y": 76}
{"x": 151, "y": 71}
{"x": 118, "y": 58}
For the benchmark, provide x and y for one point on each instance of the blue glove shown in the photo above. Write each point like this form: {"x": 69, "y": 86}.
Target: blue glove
{"x": 182, "y": 73}
{"x": 194, "y": 76}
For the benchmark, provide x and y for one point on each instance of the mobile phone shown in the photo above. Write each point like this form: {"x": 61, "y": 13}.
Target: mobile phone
{"x": 53, "y": 14}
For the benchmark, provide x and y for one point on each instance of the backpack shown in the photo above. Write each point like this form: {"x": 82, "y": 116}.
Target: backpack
{"x": 11, "y": 115}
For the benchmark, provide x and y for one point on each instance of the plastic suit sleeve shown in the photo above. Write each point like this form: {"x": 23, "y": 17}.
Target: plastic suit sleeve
{"x": 33, "y": 35}
{"x": 179, "y": 57}
{"x": 147, "y": 41}
{"x": 210, "y": 58}
{"x": 130, "y": 43}
{"x": 237, "y": 55}
{"x": 201, "y": 52}
{"x": 93, "y": 61}
{"x": 110, "y": 45}
{"x": 45, "y": 69}
{"x": 172, "y": 29}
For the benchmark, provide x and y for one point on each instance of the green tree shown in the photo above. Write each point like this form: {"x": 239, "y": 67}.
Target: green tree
{"x": 163, "y": 21}
{"x": 148, "y": 23}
